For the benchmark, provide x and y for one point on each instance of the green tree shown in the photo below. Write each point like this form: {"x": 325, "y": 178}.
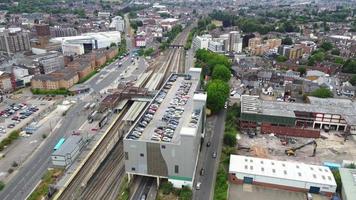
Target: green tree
{"x": 335, "y": 52}
{"x": 218, "y": 92}
{"x": 349, "y": 66}
{"x": 185, "y": 194}
{"x": 230, "y": 139}
{"x": 302, "y": 70}
{"x": 221, "y": 72}
{"x": 322, "y": 93}
{"x": 287, "y": 41}
{"x": 281, "y": 58}
{"x": 326, "y": 46}
{"x": 353, "y": 80}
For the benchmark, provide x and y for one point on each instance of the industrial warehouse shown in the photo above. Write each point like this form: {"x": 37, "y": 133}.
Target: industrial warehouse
{"x": 298, "y": 177}
{"x": 298, "y": 119}
{"x": 164, "y": 141}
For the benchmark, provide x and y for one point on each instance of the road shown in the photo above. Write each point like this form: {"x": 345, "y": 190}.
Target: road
{"x": 30, "y": 173}
{"x": 206, "y": 160}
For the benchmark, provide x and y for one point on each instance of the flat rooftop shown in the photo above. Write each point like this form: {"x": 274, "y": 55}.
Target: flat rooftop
{"x": 344, "y": 107}
{"x": 166, "y": 99}
{"x": 69, "y": 145}
{"x": 281, "y": 169}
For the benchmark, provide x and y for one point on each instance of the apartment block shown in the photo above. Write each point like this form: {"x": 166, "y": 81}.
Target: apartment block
{"x": 14, "y": 40}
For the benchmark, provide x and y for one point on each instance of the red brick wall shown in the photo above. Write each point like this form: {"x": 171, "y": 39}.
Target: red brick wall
{"x": 289, "y": 131}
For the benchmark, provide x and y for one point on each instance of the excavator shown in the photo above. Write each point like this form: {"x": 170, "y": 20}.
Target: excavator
{"x": 292, "y": 151}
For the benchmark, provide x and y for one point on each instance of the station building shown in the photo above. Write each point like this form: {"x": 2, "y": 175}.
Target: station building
{"x": 172, "y": 158}
{"x": 293, "y": 176}
{"x": 297, "y": 119}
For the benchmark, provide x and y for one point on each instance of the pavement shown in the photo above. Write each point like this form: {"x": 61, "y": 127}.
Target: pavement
{"x": 214, "y": 133}
{"x": 27, "y": 176}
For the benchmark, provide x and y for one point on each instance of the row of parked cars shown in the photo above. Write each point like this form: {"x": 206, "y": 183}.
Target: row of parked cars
{"x": 24, "y": 112}
{"x": 147, "y": 117}
{"x": 173, "y": 113}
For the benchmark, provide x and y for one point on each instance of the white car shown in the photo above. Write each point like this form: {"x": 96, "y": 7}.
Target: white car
{"x": 197, "y": 187}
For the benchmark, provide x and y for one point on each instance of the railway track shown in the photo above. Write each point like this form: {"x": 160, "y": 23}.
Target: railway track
{"x": 79, "y": 181}
{"x": 104, "y": 182}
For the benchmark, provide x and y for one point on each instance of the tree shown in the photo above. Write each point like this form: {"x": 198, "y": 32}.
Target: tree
{"x": 326, "y": 46}
{"x": 218, "y": 92}
{"x": 349, "y": 66}
{"x": 287, "y": 41}
{"x": 281, "y": 58}
{"x": 221, "y": 72}
{"x": 335, "y": 52}
{"x": 353, "y": 80}
{"x": 337, "y": 178}
{"x": 322, "y": 93}
{"x": 113, "y": 44}
{"x": 230, "y": 139}
{"x": 302, "y": 70}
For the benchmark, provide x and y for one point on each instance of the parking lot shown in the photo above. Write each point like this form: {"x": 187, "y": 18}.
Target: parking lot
{"x": 17, "y": 114}
{"x": 254, "y": 192}
{"x": 165, "y": 114}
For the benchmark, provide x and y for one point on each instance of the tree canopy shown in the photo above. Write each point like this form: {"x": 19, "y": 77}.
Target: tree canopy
{"x": 322, "y": 93}
{"x": 208, "y": 60}
{"x": 221, "y": 72}
{"x": 349, "y": 66}
{"x": 281, "y": 58}
{"x": 287, "y": 41}
{"x": 218, "y": 92}
{"x": 326, "y": 46}
{"x": 353, "y": 80}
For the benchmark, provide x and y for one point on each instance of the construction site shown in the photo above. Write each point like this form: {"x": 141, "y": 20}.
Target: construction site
{"x": 331, "y": 147}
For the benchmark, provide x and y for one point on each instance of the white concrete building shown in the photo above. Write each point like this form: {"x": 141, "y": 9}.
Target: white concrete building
{"x": 201, "y": 42}
{"x": 78, "y": 45}
{"x": 216, "y": 47}
{"x": 117, "y": 23}
{"x": 295, "y": 176}
{"x": 68, "y": 151}
{"x": 235, "y": 42}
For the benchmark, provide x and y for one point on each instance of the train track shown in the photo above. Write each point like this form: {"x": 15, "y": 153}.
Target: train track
{"x": 79, "y": 181}
{"x": 104, "y": 182}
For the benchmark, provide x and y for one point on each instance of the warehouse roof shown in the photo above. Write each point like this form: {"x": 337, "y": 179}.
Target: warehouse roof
{"x": 344, "y": 107}
{"x": 281, "y": 169}
{"x": 348, "y": 179}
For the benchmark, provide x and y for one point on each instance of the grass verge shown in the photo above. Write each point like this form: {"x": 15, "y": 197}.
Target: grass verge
{"x": 124, "y": 189}
{"x": 42, "y": 190}
{"x": 7, "y": 141}
{"x": 61, "y": 91}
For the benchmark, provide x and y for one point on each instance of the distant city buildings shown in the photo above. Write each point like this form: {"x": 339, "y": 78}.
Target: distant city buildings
{"x": 49, "y": 62}
{"x": 292, "y": 52}
{"x": 201, "y": 42}
{"x": 14, "y": 40}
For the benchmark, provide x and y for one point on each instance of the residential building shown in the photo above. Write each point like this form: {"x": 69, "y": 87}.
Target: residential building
{"x": 14, "y": 40}
{"x": 216, "y": 47}
{"x": 174, "y": 156}
{"x": 63, "y": 78}
{"x": 49, "y": 62}
{"x": 201, "y": 42}
{"x": 292, "y": 52}
{"x": 273, "y": 43}
{"x": 293, "y": 176}
{"x": 348, "y": 180}
{"x": 308, "y": 46}
{"x": 298, "y": 119}
{"x": 117, "y": 23}
{"x": 63, "y": 32}
{"x": 254, "y": 42}
{"x": 140, "y": 41}
{"x": 105, "y": 15}
{"x": 235, "y": 42}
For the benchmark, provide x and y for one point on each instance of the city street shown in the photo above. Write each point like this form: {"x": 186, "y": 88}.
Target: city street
{"x": 214, "y": 134}
{"x": 30, "y": 173}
